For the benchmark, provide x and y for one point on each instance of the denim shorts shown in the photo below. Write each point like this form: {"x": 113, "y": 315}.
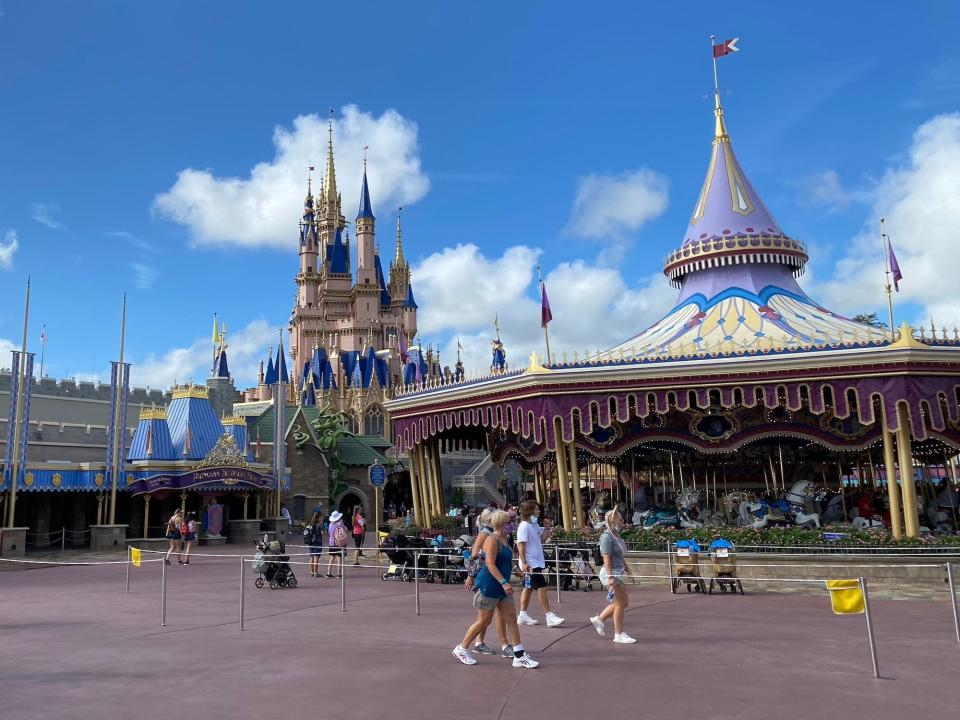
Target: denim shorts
{"x": 617, "y": 576}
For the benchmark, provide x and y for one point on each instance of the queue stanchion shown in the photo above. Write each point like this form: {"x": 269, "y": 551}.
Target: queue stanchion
{"x": 343, "y": 580}
{"x": 416, "y": 579}
{"x": 163, "y": 594}
{"x": 953, "y": 601}
{"x": 556, "y": 558}
{"x": 866, "y": 612}
{"x": 242, "y": 594}
{"x": 126, "y": 585}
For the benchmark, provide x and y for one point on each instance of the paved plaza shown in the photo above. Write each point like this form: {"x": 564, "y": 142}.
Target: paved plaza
{"x": 72, "y": 639}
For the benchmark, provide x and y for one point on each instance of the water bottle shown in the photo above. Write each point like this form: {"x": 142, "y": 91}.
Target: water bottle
{"x": 527, "y": 582}
{"x": 610, "y": 595}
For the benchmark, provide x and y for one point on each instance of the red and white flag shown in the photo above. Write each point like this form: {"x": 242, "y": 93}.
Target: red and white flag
{"x": 726, "y": 47}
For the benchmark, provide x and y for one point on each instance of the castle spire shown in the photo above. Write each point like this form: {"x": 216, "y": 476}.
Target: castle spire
{"x": 366, "y": 208}
{"x": 398, "y": 258}
{"x": 331, "y": 177}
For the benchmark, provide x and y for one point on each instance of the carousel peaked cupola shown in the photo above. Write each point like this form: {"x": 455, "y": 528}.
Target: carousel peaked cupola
{"x": 736, "y": 271}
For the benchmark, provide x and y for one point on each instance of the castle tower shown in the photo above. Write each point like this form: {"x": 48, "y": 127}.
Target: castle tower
{"x": 402, "y": 302}
{"x": 309, "y": 251}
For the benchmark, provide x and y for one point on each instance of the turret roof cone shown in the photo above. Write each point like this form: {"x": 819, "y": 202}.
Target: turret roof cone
{"x": 366, "y": 208}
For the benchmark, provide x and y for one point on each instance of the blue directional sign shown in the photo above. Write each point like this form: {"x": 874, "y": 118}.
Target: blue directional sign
{"x": 378, "y": 475}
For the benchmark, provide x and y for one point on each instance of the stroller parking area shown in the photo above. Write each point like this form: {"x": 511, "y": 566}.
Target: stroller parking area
{"x": 75, "y": 644}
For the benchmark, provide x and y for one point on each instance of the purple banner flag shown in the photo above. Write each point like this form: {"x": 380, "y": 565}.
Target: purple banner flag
{"x": 894, "y": 266}
{"x": 545, "y": 315}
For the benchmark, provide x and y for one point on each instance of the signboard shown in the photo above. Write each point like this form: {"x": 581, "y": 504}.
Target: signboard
{"x": 846, "y": 596}
{"x": 378, "y": 475}
{"x": 222, "y": 475}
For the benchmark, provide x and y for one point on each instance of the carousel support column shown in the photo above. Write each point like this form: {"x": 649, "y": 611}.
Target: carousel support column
{"x": 536, "y": 485}
{"x": 146, "y": 515}
{"x": 563, "y": 476}
{"x": 437, "y": 475}
{"x": 415, "y": 486}
{"x": 575, "y": 476}
{"x": 843, "y": 495}
{"x": 893, "y": 490}
{"x": 429, "y": 502}
{"x": 911, "y": 521}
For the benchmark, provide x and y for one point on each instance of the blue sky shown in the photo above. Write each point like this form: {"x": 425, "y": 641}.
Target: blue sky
{"x": 572, "y": 135}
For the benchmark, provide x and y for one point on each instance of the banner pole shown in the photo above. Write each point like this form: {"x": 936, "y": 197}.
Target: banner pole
{"x": 873, "y": 644}
{"x": 242, "y": 584}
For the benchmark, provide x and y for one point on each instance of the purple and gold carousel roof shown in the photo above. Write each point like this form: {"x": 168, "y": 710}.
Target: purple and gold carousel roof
{"x": 736, "y": 271}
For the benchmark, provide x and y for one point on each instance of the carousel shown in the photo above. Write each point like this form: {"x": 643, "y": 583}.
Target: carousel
{"x": 747, "y": 402}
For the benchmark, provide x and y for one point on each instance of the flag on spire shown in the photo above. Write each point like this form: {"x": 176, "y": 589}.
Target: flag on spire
{"x": 404, "y": 351}
{"x": 894, "y": 266}
{"x": 725, "y": 48}
{"x": 215, "y": 338}
{"x": 43, "y": 334}
{"x": 545, "y": 315}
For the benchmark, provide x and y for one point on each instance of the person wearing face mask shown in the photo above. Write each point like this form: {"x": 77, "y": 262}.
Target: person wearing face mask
{"x": 613, "y": 550}
{"x": 532, "y": 563}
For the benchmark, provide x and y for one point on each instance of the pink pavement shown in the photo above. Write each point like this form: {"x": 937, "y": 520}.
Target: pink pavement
{"x": 75, "y": 645}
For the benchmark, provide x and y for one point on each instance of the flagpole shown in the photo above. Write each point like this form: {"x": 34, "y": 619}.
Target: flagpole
{"x": 886, "y": 258}
{"x": 716, "y": 82}
{"x": 18, "y": 424}
{"x": 546, "y": 332}
{"x": 43, "y": 347}
{"x": 117, "y": 430}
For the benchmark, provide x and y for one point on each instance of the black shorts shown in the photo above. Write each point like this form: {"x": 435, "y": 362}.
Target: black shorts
{"x": 337, "y": 551}
{"x": 537, "y": 579}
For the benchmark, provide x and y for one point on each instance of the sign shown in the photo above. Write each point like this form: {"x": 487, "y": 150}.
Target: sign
{"x": 723, "y": 552}
{"x": 683, "y": 552}
{"x": 846, "y": 596}
{"x": 135, "y": 556}
{"x": 228, "y": 476}
{"x": 378, "y": 475}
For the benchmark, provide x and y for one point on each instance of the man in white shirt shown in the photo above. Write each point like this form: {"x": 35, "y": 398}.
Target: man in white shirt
{"x": 532, "y": 564}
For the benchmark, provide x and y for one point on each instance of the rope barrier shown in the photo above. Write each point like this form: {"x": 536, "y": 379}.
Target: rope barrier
{"x": 69, "y": 562}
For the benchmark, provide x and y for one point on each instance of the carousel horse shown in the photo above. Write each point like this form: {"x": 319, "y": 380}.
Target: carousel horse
{"x": 802, "y": 493}
{"x": 789, "y": 510}
{"x": 601, "y": 504}
{"x": 687, "y": 511}
{"x": 657, "y": 517}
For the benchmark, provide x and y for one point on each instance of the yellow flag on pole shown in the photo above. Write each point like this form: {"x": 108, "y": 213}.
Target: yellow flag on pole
{"x": 135, "y": 556}
{"x": 215, "y": 338}
{"x": 846, "y": 596}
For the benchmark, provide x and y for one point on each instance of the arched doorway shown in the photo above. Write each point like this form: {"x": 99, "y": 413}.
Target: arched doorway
{"x": 348, "y": 502}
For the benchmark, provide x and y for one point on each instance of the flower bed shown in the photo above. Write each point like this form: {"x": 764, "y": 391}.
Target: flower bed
{"x": 829, "y": 537}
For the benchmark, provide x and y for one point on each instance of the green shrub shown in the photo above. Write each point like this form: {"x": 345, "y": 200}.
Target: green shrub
{"x": 446, "y": 524}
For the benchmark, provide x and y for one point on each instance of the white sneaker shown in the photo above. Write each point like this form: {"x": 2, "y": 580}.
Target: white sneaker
{"x": 524, "y": 619}
{"x": 464, "y": 656}
{"x": 554, "y": 620}
{"x": 525, "y": 661}
{"x": 624, "y": 638}
{"x": 599, "y": 626}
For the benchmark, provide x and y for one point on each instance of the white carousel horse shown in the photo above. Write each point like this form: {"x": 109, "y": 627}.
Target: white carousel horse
{"x": 873, "y": 523}
{"x": 791, "y": 509}
{"x": 687, "y": 502}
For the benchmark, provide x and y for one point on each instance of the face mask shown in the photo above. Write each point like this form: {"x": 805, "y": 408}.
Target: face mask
{"x": 534, "y": 519}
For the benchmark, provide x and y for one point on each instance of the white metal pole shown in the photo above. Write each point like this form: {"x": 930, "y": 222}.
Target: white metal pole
{"x": 163, "y": 594}
{"x": 343, "y": 581}
{"x": 953, "y": 602}
{"x": 670, "y": 567}
{"x": 416, "y": 579}
{"x": 127, "y": 584}
{"x": 242, "y": 594}
{"x": 866, "y": 612}
{"x": 556, "y": 557}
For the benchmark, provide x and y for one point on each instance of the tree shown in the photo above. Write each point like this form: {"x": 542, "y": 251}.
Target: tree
{"x": 872, "y": 320}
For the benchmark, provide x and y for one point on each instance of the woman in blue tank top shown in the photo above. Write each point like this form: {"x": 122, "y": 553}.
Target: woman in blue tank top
{"x": 493, "y": 591}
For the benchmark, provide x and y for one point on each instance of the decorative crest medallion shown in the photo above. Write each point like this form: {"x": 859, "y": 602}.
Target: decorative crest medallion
{"x": 224, "y": 454}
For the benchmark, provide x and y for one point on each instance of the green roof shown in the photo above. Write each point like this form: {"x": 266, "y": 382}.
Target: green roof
{"x": 261, "y": 427}
{"x": 354, "y": 451}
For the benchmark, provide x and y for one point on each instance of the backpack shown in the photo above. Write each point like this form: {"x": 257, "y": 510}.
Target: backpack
{"x": 184, "y": 529}
{"x": 309, "y": 537}
{"x": 340, "y": 536}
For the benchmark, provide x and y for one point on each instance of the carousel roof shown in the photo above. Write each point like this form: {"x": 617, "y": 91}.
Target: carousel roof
{"x": 736, "y": 273}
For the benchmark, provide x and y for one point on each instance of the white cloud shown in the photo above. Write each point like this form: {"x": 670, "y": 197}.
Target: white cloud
{"x": 7, "y": 248}
{"x": 47, "y": 214}
{"x": 263, "y": 208}
{"x": 135, "y": 240}
{"x": 144, "y": 275}
{"x": 460, "y": 291}
{"x": 611, "y": 206}
{"x": 245, "y": 349}
{"x": 919, "y": 201}
{"x": 824, "y": 189}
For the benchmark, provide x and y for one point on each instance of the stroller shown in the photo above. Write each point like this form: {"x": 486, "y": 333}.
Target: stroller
{"x": 686, "y": 567}
{"x": 583, "y": 571}
{"x": 724, "y": 560}
{"x": 400, "y": 551}
{"x": 272, "y": 565}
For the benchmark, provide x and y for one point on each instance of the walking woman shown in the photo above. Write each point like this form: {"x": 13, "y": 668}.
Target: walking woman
{"x": 188, "y": 531}
{"x": 337, "y": 542}
{"x": 476, "y": 561}
{"x": 612, "y": 549}
{"x": 493, "y": 591}
{"x": 313, "y": 537}
{"x": 359, "y": 524}
{"x": 173, "y": 536}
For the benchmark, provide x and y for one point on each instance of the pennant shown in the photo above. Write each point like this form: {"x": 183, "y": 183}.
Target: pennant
{"x": 215, "y": 337}
{"x": 404, "y": 350}
{"x": 894, "y": 266}
{"x": 545, "y": 315}
{"x": 725, "y": 48}
{"x": 43, "y": 334}
{"x": 135, "y": 556}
